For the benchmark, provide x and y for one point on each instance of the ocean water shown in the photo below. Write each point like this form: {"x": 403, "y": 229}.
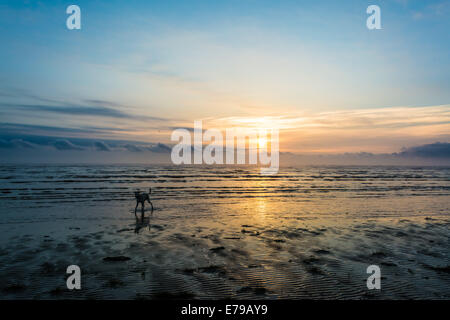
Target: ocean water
{"x": 225, "y": 232}
{"x": 408, "y": 190}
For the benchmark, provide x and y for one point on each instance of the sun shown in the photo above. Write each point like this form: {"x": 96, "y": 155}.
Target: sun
{"x": 262, "y": 142}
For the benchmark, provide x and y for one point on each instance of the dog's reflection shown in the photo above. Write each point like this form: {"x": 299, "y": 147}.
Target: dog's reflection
{"x": 143, "y": 221}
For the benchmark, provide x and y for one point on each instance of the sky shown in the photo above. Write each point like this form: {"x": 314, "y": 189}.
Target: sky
{"x": 137, "y": 70}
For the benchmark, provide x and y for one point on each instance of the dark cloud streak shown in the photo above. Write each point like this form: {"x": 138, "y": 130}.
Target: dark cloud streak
{"x": 64, "y": 144}
{"x": 71, "y": 110}
{"x": 434, "y": 150}
{"x": 101, "y": 146}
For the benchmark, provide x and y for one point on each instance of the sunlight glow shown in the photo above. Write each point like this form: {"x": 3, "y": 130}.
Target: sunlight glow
{"x": 262, "y": 142}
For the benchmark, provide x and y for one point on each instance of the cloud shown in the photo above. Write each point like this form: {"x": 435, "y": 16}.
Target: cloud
{"x": 6, "y": 144}
{"x": 101, "y": 146}
{"x": 65, "y": 145}
{"x": 190, "y": 129}
{"x": 23, "y": 144}
{"x": 17, "y": 128}
{"x": 376, "y": 118}
{"x": 71, "y": 110}
{"x": 39, "y": 143}
{"x": 132, "y": 148}
{"x": 21, "y": 93}
{"x": 102, "y": 102}
{"x": 16, "y": 143}
{"x": 434, "y": 150}
{"x": 55, "y": 149}
{"x": 160, "y": 148}
{"x": 88, "y": 107}
{"x": 378, "y": 130}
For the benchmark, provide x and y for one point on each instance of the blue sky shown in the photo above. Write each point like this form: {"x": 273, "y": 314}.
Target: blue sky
{"x": 136, "y": 69}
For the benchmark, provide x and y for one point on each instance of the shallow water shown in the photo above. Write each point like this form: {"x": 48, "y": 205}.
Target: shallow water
{"x": 219, "y": 232}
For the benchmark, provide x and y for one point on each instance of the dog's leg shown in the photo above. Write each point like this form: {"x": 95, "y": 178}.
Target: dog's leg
{"x": 135, "y": 209}
{"x": 151, "y": 205}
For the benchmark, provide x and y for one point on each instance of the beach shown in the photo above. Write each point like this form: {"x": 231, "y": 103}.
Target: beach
{"x": 225, "y": 232}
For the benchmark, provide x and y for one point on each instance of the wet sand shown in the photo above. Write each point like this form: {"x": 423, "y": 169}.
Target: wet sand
{"x": 238, "y": 248}
{"x": 318, "y": 258}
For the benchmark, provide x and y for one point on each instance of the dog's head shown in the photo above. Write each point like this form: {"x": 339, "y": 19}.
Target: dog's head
{"x": 136, "y": 193}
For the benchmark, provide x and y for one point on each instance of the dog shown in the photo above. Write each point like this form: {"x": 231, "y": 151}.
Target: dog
{"x": 140, "y": 198}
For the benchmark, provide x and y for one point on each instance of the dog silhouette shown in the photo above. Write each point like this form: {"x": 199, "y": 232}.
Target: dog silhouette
{"x": 141, "y": 197}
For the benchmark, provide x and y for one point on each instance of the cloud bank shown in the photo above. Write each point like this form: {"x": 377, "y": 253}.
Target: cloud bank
{"x": 41, "y": 149}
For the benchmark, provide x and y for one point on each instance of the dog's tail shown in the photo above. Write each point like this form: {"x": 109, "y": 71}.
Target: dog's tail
{"x": 149, "y": 190}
